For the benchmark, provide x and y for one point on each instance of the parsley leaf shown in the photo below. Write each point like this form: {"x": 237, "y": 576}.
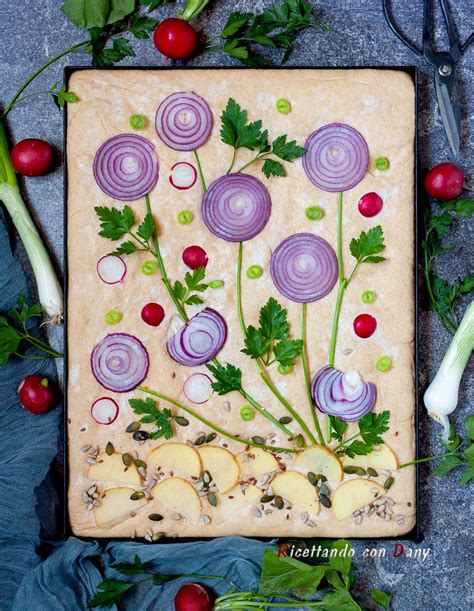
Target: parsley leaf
{"x": 338, "y": 427}
{"x": 286, "y": 150}
{"x": 111, "y": 592}
{"x": 367, "y": 245}
{"x": 273, "y": 320}
{"x": 115, "y": 223}
{"x": 371, "y": 427}
{"x": 287, "y": 350}
{"x": 193, "y": 283}
{"x": 381, "y": 598}
{"x": 126, "y": 568}
{"x": 273, "y": 168}
{"x": 161, "y": 419}
{"x": 462, "y": 206}
{"x": 227, "y": 378}
{"x": 235, "y": 129}
{"x": 146, "y": 228}
{"x": 140, "y": 26}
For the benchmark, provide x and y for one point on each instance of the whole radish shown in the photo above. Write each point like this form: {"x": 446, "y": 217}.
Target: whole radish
{"x": 444, "y": 181}
{"x": 32, "y": 157}
{"x": 194, "y": 257}
{"x": 175, "y": 38}
{"x": 36, "y": 394}
{"x": 192, "y": 597}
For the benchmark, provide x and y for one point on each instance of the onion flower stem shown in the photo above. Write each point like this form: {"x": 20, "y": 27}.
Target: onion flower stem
{"x": 307, "y": 376}
{"x": 200, "y": 172}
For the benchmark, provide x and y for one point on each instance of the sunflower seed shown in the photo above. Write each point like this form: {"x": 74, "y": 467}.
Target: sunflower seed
{"x": 176, "y": 517}
{"x": 200, "y": 440}
{"x": 127, "y": 460}
{"x": 132, "y": 427}
{"x": 325, "y": 500}
{"x": 95, "y": 495}
{"x": 400, "y": 520}
{"x": 109, "y": 449}
{"x": 310, "y": 523}
{"x": 388, "y": 483}
{"x": 388, "y": 517}
{"x": 85, "y": 497}
{"x": 267, "y": 512}
{"x": 379, "y": 502}
{"x": 86, "y": 448}
{"x": 90, "y": 507}
{"x": 96, "y": 503}
{"x": 356, "y": 513}
{"x": 371, "y": 512}
{"x": 304, "y": 516}
{"x": 91, "y": 460}
{"x": 206, "y": 519}
{"x": 385, "y": 473}
{"x": 389, "y": 501}
{"x": 147, "y": 538}
{"x": 358, "y": 519}
{"x": 271, "y": 436}
{"x": 375, "y": 491}
{"x": 347, "y": 351}
{"x": 372, "y": 472}
{"x": 367, "y": 509}
{"x": 92, "y": 489}
{"x": 206, "y": 477}
{"x": 258, "y": 513}
{"x": 270, "y": 491}
{"x": 134, "y": 454}
{"x": 226, "y": 406}
{"x": 150, "y": 532}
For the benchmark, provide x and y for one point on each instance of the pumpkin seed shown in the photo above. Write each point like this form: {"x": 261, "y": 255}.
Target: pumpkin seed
{"x": 325, "y": 500}
{"x": 212, "y": 499}
{"x": 141, "y": 435}
{"x": 127, "y": 460}
{"x": 206, "y": 477}
{"x": 321, "y": 477}
{"x": 157, "y": 536}
{"x": 350, "y": 469}
{"x": 360, "y": 471}
{"x": 109, "y": 449}
{"x": 211, "y": 437}
{"x": 200, "y": 440}
{"x": 155, "y": 517}
{"x": 181, "y": 421}
{"x": 140, "y": 464}
{"x": 285, "y": 420}
{"x": 260, "y": 441}
{"x": 279, "y": 503}
{"x": 136, "y": 496}
{"x": 325, "y": 491}
{"x": 372, "y": 472}
{"x": 300, "y": 442}
{"x": 388, "y": 483}
{"x": 313, "y": 480}
{"x": 132, "y": 427}
{"x": 266, "y": 498}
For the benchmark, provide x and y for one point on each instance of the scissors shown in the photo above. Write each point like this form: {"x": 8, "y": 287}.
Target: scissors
{"x": 444, "y": 63}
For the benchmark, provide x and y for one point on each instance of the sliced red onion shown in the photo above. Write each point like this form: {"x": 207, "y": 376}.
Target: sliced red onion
{"x": 236, "y": 207}
{"x": 197, "y": 388}
{"x": 342, "y": 394}
{"x": 111, "y": 269}
{"x": 119, "y": 362}
{"x": 105, "y": 410}
{"x": 183, "y": 175}
{"x": 304, "y": 267}
{"x": 126, "y": 167}
{"x": 199, "y": 340}
{"x": 184, "y": 121}
{"x": 336, "y": 157}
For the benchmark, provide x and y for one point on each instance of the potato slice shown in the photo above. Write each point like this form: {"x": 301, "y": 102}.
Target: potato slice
{"x": 319, "y": 459}
{"x": 176, "y": 457}
{"x": 382, "y": 457}
{"x": 256, "y": 461}
{"x": 233, "y": 501}
{"x": 222, "y": 466}
{"x": 296, "y": 489}
{"x": 179, "y": 496}
{"x": 354, "y": 494}
{"x": 112, "y": 469}
{"x": 116, "y": 504}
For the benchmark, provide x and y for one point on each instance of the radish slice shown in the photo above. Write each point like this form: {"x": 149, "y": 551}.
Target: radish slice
{"x": 104, "y": 410}
{"x": 111, "y": 269}
{"x": 197, "y": 388}
{"x": 183, "y": 175}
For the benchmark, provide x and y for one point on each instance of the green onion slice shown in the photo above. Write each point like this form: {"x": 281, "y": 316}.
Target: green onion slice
{"x": 254, "y": 271}
{"x": 137, "y": 122}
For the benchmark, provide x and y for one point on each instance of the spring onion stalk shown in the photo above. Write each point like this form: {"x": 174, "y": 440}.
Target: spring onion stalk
{"x": 49, "y": 290}
{"x": 441, "y": 396}
{"x": 193, "y": 8}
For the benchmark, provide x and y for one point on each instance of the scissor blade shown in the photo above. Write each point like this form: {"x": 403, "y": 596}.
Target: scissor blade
{"x": 449, "y": 116}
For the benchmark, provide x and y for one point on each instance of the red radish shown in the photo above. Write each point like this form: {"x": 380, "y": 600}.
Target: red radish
{"x": 197, "y": 388}
{"x": 36, "y": 394}
{"x": 370, "y": 204}
{"x": 111, "y": 269}
{"x": 153, "y": 314}
{"x": 192, "y": 597}
{"x": 175, "y": 38}
{"x": 104, "y": 410}
{"x": 32, "y": 157}
{"x": 183, "y": 175}
{"x": 194, "y": 257}
{"x": 364, "y": 325}
{"x": 444, "y": 181}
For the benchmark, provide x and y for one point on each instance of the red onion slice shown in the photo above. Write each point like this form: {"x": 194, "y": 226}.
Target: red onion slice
{"x": 336, "y": 157}
{"x": 104, "y": 411}
{"x": 126, "y": 167}
{"x": 197, "y": 388}
{"x": 183, "y": 175}
{"x": 184, "y": 121}
{"x": 342, "y": 394}
{"x": 304, "y": 267}
{"x": 119, "y": 362}
{"x": 111, "y": 269}
{"x": 199, "y": 340}
{"x": 236, "y": 207}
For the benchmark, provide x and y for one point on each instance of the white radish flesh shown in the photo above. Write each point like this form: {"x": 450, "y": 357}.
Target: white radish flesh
{"x": 104, "y": 410}
{"x": 197, "y": 388}
{"x": 111, "y": 269}
{"x": 183, "y": 175}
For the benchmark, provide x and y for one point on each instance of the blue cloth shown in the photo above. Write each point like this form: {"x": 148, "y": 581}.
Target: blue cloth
{"x": 67, "y": 575}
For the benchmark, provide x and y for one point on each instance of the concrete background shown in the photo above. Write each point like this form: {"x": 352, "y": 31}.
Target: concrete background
{"x": 32, "y": 32}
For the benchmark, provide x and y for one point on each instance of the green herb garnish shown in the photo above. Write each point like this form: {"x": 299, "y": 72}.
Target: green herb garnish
{"x": 283, "y": 106}
{"x": 185, "y": 217}
{"x": 227, "y": 378}
{"x": 193, "y": 283}
{"x": 314, "y": 213}
{"x": 254, "y": 272}
{"x": 381, "y": 164}
{"x": 384, "y": 363}
{"x": 371, "y": 427}
{"x": 113, "y": 317}
{"x": 137, "y": 122}
{"x": 369, "y": 297}
{"x": 152, "y": 415}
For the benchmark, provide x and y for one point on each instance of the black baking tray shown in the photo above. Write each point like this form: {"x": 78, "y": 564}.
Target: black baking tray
{"x": 416, "y": 534}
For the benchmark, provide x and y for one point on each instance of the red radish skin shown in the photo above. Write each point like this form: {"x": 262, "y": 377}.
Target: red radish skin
{"x": 194, "y": 257}
{"x": 364, "y": 325}
{"x": 444, "y": 181}
{"x": 175, "y": 38}
{"x": 370, "y": 204}
{"x": 183, "y": 176}
{"x": 153, "y": 314}
{"x": 111, "y": 269}
{"x": 104, "y": 411}
{"x": 192, "y": 597}
{"x": 36, "y": 394}
{"x": 198, "y": 388}
{"x": 32, "y": 157}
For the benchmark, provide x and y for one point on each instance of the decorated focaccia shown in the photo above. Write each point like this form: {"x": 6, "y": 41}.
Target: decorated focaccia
{"x": 240, "y": 308}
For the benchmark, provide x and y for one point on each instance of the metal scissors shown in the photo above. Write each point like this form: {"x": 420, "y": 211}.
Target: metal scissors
{"x": 444, "y": 63}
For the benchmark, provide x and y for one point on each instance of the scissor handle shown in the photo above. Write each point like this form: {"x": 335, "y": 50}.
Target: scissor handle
{"x": 417, "y": 50}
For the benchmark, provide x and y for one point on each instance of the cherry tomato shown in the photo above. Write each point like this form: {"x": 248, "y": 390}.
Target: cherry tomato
{"x": 175, "y": 38}
{"x": 32, "y": 157}
{"x": 444, "y": 181}
{"x": 192, "y": 597}
{"x": 364, "y": 325}
{"x": 36, "y": 394}
{"x": 194, "y": 257}
{"x": 370, "y": 204}
{"x": 153, "y": 314}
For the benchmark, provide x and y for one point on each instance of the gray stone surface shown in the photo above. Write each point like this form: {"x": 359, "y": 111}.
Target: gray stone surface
{"x": 31, "y": 32}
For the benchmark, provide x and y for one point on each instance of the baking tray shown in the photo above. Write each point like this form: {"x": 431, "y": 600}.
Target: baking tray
{"x": 416, "y": 534}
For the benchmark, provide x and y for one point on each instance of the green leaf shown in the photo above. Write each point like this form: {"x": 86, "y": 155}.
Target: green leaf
{"x": 446, "y": 465}
{"x": 87, "y": 14}
{"x": 140, "y": 26}
{"x": 273, "y": 321}
{"x": 159, "y": 579}
{"x": 194, "y": 281}
{"x": 256, "y": 345}
{"x": 469, "y": 454}
{"x": 227, "y": 378}
{"x": 235, "y": 49}
{"x": 281, "y": 575}
{"x": 469, "y": 426}
{"x": 9, "y": 343}
{"x": 235, "y": 22}
{"x": 126, "y": 568}
{"x": 115, "y": 223}
{"x": 338, "y": 427}
{"x": 273, "y": 168}
{"x": 341, "y": 562}
{"x": 23, "y": 313}
{"x": 357, "y": 448}
{"x": 467, "y": 476}
{"x": 287, "y": 350}
{"x": 147, "y": 227}
{"x": 193, "y": 300}
{"x": 111, "y": 592}
{"x": 120, "y": 9}
{"x": 125, "y": 248}
{"x": 235, "y": 129}
{"x": 340, "y": 600}
{"x": 286, "y": 150}
{"x": 372, "y": 426}
{"x": 122, "y": 47}
{"x": 179, "y": 291}
{"x": 368, "y": 244}
{"x": 153, "y": 4}
{"x": 462, "y": 206}
{"x": 162, "y": 419}
{"x": 381, "y": 598}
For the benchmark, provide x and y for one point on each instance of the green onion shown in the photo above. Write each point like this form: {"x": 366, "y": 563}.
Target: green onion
{"x": 254, "y": 271}
{"x": 185, "y": 217}
{"x": 285, "y": 369}
{"x": 381, "y": 163}
{"x": 113, "y": 317}
{"x": 314, "y": 213}
{"x": 149, "y": 268}
{"x": 384, "y": 363}
{"x": 283, "y": 106}
{"x": 49, "y": 289}
{"x": 137, "y": 122}
{"x": 215, "y": 284}
{"x": 369, "y": 296}
{"x": 247, "y": 413}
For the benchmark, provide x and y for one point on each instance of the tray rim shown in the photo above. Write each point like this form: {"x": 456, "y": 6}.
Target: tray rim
{"x": 416, "y": 534}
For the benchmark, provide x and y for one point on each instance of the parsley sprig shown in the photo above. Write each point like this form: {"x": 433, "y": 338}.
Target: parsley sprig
{"x": 162, "y": 419}
{"x": 227, "y": 378}
{"x": 443, "y": 295}
{"x": 238, "y": 132}
{"x": 371, "y": 428}
{"x": 193, "y": 283}
{"x": 116, "y": 224}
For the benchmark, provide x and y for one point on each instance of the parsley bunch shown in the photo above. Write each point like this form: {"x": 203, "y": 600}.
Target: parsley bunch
{"x": 237, "y": 132}
{"x": 371, "y": 427}
{"x": 163, "y": 419}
